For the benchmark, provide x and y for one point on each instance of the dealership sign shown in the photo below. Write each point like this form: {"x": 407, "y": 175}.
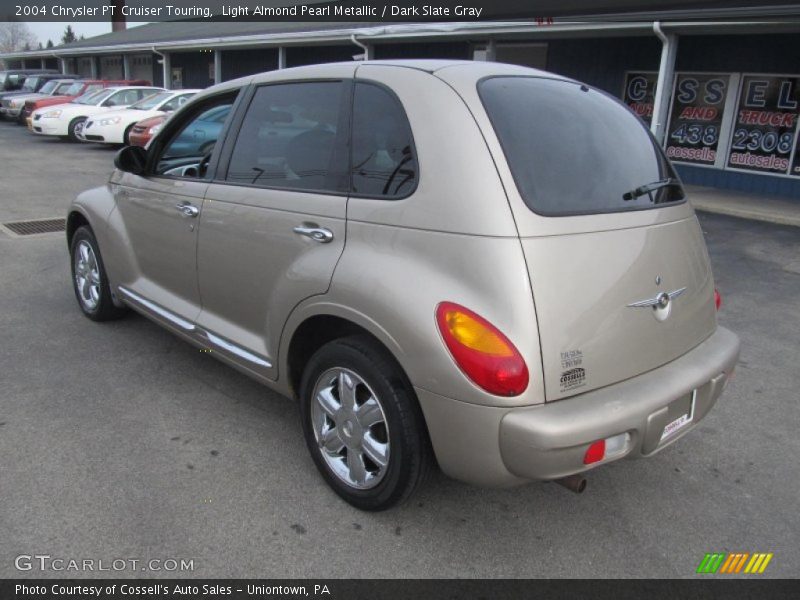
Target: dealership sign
{"x": 765, "y": 124}
{"x": 746, "y": 122}
{"x": 639, "y": 93}
{"x": 695, "y": 121}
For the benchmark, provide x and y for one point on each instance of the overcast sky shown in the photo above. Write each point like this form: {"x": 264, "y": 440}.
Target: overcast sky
{"x": 54, "y": 31}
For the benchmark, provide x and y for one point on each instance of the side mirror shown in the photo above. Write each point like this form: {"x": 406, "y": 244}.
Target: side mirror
{"x": 131, "y": 159}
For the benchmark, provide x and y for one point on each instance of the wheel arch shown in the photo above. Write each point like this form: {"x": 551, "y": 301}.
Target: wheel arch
{"x": 309, "y": 330}
{"x": 75, "y": 220}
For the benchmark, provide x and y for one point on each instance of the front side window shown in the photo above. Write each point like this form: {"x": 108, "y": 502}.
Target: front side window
{"x": 288, "y": 138}
{"x": 63, "y": 88}
{"x": 189, "y": 148}
{"x": 383, "y": 162}
{"x": 30, "y": 84}
{"x": 575, "y": 150}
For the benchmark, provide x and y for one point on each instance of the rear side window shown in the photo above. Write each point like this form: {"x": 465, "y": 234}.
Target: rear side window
{"x": 383, "y": 160}
{"x": 289, "y": 138}
{"x": 127, "y": 97}
{"x": 575, "y": 150}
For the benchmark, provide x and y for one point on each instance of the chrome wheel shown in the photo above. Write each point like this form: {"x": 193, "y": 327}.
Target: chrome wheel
{"x": 87, "y": 276}
{"x": 350, "y": 428}
{"x": 78, "y": 129}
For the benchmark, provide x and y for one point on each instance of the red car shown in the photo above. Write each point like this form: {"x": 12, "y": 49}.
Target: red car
{"x": 79, "y": 88}
{"x": 145, "y": 129}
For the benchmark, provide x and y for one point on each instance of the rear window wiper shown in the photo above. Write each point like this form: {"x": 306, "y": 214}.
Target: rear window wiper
{"x": 650, "y": 187}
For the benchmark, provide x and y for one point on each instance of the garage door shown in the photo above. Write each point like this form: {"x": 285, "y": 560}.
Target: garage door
{"x": 141, "y": 66}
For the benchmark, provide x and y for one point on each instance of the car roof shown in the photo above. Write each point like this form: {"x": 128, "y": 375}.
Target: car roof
{"x": 132, "y": 87}
{"x": 467, "y": 68}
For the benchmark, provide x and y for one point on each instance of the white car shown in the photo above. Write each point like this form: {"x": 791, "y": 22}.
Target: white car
{"x": 67, "y": 120}
{"x": 114, "y": 126}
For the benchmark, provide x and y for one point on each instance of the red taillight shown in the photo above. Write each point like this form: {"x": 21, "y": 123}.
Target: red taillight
{"x": 595, "y": 452}
{"x": 481, "y": 351}
{"x": 717, "y": 299}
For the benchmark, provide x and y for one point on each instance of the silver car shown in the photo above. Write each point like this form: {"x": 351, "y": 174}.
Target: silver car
{"x": 478, "y": 265}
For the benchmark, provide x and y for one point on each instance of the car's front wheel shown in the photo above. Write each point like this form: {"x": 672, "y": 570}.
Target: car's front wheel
{"x": 89, "y": 278}
{"x": 75, "y": 128}
{"x": 363, "y": 425}
{"x": 126, "y": 137}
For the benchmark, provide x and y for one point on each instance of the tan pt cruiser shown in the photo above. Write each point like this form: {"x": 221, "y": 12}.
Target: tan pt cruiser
{"x": 482, "y": 265}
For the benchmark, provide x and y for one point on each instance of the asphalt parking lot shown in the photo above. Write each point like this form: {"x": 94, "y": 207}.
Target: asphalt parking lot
{"x": 121, "y": 441}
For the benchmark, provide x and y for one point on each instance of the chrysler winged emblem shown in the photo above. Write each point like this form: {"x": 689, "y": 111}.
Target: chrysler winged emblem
{"x": 661, "y": 303}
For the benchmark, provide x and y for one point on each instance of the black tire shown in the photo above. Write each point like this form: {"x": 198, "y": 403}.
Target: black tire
{"x": 104, "y": 308}
{"x": 71, "y": 129}
{"x": 410, "y": 452}
{"x": 126, "y": 136}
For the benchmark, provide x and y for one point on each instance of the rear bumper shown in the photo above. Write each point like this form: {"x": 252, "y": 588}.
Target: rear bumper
{"x": 498, "y": 446}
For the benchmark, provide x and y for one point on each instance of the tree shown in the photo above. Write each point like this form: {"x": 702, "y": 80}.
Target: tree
{"x": 49, "y": 43}
{"x": 14, "y": 36}
{"x": 69, "y": 35}
{"x": 40, "y": 47}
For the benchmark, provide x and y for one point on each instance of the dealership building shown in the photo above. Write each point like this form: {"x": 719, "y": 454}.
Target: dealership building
{"x": 720, "y": 88}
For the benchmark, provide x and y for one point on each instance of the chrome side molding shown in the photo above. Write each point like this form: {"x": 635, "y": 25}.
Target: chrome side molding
{"x": 156, "y": 309}
{"x": 190, "y": 327}
{"x": 234, "y": 349}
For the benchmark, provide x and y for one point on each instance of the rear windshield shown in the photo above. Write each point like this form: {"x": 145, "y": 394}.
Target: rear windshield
{"x": 575, "y": 150}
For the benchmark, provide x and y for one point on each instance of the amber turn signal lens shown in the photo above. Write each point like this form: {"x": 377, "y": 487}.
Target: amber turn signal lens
{"x": 481, "y": 351}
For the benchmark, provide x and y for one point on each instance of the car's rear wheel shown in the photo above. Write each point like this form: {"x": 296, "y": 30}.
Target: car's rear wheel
{"x": 363, "y": 425}
{"x": 89, "y": 278}
{"x": 75, "y": 127}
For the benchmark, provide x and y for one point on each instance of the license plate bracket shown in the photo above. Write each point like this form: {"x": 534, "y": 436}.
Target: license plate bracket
{"x": 680, "y": 414}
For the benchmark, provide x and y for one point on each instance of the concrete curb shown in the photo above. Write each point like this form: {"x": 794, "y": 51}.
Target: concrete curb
{"x": 781, "y": 211}
{"x": 744, "y": 213}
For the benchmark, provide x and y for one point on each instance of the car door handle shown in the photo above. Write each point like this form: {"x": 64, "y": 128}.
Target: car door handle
{"x": 188, "y": 210}
{"x": 318, "y": 234}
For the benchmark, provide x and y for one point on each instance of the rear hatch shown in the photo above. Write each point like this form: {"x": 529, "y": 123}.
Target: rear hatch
{"x": 619, "y": 270}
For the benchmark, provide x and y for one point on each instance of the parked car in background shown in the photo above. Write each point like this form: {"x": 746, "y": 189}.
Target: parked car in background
{"x": 33, "y": 84}
{"x": 79, "y": 88}
{"x": 143, "y": 131}
{"x": 369, "y": 239}
{"x": 67, "y": 120}
{"x": 11, "y": 107}
{"x": 13, "y": 79}
{"x": 114, "y": 127}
